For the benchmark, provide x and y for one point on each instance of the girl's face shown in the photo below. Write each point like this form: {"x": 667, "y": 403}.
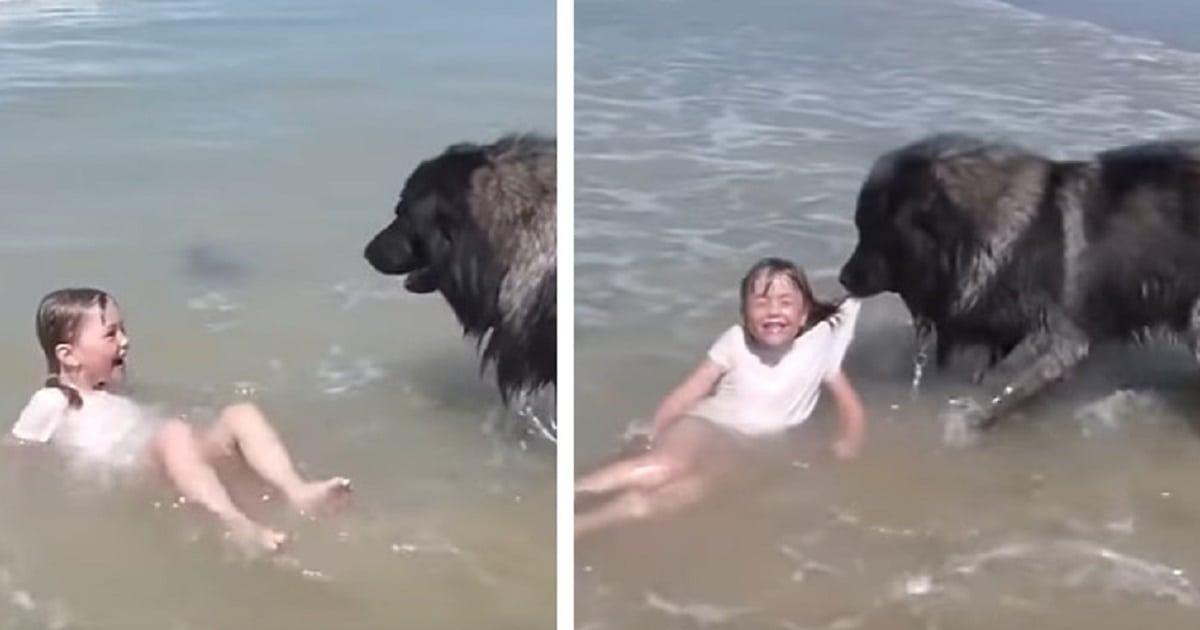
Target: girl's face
{"x": 775, "y": 311}
{"x": 97, "y": 357}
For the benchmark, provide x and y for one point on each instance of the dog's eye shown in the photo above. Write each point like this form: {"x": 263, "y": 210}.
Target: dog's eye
{"x": 446, "y": 226}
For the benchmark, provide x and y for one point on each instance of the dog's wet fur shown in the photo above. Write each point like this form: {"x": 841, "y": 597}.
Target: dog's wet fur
{"x": 991, "y": 245}
{"x": 477, "y": 224}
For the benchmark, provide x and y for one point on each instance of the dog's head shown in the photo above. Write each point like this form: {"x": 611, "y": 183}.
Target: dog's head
{"x": 478, "y": 225}
{"x": 430, "y": 215}
{"x": 938, "y": 215}
{"x": 900, "y": 221}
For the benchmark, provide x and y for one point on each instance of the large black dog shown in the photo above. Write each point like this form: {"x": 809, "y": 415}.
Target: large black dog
{"x": 477, "y": 223}
{"x": 991, "y": 245}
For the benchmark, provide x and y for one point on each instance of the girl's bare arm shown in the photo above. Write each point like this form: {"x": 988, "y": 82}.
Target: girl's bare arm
{"x": 685, "y": 395}
{"x": 851, "y": 416}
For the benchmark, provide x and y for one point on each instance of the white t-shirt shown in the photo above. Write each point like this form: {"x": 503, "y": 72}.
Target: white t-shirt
{"x": 107, "y": 427}
{"x": 760, "y": 393}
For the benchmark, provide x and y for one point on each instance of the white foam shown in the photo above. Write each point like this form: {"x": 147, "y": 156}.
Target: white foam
{"x": 338, "y": 375}
{"x": 699, "y": 613}
{"x": 1113, "y": 411}
{"x": 1080, "y": 564}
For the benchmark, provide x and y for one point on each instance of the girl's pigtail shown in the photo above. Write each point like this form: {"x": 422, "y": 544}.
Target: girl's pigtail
{"x": 74, "y": 400}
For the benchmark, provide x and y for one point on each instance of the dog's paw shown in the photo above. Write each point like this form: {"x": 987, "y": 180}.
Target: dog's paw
{"x": 962, "y": 423}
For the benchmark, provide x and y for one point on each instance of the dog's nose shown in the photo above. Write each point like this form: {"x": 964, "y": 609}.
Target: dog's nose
{"x": 849, "y": 278}
{"x": 376, "y": 254}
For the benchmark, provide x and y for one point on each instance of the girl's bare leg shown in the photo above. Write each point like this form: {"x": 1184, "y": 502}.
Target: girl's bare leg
{"x": 243, "y": 429}
{"x": 640, "y": 504}
{"x": 671, "y": 456}
{"x": 642, "y": 471}
{"x": 183, "y": 460}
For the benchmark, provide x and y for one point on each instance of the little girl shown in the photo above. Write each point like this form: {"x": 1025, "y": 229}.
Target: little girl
{"x": 766, "y": 373}
{"x": 83, "y": 337}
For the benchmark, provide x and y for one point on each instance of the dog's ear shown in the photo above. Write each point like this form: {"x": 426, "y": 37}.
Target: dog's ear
{"x": 969, "y": 182}
{"x": 454, "y": 182}
{"x": 431, "y": 238}
{"x": 999, "y": 194}
{"x": 993, "y": 200}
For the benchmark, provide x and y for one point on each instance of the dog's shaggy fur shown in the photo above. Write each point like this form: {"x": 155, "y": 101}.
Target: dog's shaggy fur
{"x": 477, "y": 223}
{"x": 992, "y": 245}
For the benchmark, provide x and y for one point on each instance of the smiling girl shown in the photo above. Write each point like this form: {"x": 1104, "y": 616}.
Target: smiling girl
{"x": 760, "y": 378}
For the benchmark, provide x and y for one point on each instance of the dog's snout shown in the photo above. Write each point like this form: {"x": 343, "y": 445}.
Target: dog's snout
{"x": 374, "y": 255}
{"x": 864, "y": 274}
{"x": 848, "y": 278}
{"x": 388, "y": 254}
{"x": 851, "y": 275}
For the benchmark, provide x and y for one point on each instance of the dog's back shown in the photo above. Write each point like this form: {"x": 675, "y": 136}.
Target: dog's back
{"x": 1142, "y": 234}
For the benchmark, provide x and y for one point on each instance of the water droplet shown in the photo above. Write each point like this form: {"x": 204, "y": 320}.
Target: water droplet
{"x": 22, "y": 599}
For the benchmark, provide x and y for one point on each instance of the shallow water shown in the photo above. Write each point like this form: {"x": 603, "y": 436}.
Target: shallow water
{"x": 219, "y": 167}
{"x": 713, "y": 134}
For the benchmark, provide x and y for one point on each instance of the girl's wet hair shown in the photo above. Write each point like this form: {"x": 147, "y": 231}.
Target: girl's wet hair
{"x": 60, "y": 316}
{"x": 771, "y": 268}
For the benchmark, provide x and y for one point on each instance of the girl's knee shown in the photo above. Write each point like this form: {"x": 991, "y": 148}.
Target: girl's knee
{"x": 173, "y": 431}
{"x": 638, "y": 504}
{"x": 643, "y": 504}
{"x": 238, "y": 412}
{"x": 687, "y": 491}
{"x": 657, "y": 469}
{"x": 173, "y": 439}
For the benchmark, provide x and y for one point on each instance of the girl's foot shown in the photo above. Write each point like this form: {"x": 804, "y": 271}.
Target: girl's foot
{"x": 255, "y": 539}
{"x": 320, "y": 496}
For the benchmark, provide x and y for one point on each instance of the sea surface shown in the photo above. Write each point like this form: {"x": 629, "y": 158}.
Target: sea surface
{"x": 710, "y": 134}
{"x": 218, "y": 167}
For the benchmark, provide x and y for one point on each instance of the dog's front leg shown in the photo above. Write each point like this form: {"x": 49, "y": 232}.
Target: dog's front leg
{"x": 1006, "y": 365}
{"x": 1062, "y": 346}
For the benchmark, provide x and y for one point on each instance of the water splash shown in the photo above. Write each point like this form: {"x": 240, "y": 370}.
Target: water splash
{"x": 213, "y": 301}
{"x": 1111, "y": 412}
{"x": 21, "y": 603}
{"x": 699, "y": 613}
{"x": 925, "y": 340}
{"x": 337, "y": 374}
{"x": 1082, "y": 564}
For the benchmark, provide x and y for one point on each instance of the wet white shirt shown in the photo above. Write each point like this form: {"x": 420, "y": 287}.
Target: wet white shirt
{"x": 107, "y": 427}
{"x": 762, "y": 392}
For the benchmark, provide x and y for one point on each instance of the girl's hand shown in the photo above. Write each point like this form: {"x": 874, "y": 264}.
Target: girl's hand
{"x": 639, "y": 443}
{"x": 638, "y": 436}
{"x": 851, "y": 416}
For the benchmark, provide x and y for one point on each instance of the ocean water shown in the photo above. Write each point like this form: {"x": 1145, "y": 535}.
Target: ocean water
{"x": 219, "y": 167}
{"x": 1165, "y": 21}
{"x": 710, "y": 134}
